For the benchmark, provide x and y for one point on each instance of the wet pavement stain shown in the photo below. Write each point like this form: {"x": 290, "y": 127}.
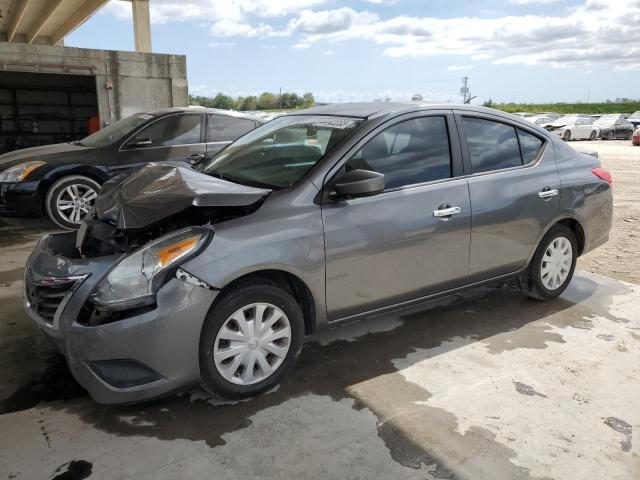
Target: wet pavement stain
{"x": 74, "y": 470}
{"x": 54, "y": 383}
{"x": 527, "y": 390}
{"x": 622, "y": 427}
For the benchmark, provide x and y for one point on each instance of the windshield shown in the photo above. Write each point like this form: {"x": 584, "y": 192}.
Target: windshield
{"x": 279, "y": 153}
{"x": 116, "y": 131}
{"x": 607, "y": 120}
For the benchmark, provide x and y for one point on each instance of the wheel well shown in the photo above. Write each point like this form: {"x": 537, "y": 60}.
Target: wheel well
{"x": 293, "y": 285}
{"x": 578, "y": 231}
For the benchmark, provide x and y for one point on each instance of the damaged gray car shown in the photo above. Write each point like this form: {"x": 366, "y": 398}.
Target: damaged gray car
{"x": 216, "y": 276}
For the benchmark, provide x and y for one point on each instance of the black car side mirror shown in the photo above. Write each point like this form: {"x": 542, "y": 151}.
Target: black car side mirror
{"x": 359, "y": 183}
{"x": 140, "y": 143}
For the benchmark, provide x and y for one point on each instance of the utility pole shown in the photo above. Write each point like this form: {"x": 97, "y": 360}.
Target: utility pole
{"x": 465, "y": 89}
{"x": 280, "y": 99}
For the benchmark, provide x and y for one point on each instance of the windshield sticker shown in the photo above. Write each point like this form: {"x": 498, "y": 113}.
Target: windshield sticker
{"x": 334, "y": 123}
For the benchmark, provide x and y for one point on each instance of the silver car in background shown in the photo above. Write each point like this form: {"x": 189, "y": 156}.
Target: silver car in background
{"x": 216, "y": 276}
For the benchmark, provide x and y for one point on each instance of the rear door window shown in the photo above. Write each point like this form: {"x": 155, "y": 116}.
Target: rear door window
{"x": 412, "y": 152}
{"x": 492, "y": 145}
{"x": 173, "y": 130}
{"x": 224, "y": 128}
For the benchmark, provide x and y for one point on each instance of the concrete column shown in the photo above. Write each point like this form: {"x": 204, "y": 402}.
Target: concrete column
{"x": 142, "y": 25}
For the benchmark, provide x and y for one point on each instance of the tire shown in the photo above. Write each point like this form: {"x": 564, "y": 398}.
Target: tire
{"x": 532, "y": 281}
{"x": 233, "y": 384}
{"x": 593, "y": 135}
{"x": 566, "y": 136}
{"x": 65, "y": 192}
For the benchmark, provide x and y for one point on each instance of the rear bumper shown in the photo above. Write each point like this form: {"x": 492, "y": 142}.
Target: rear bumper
{"x": 146, "y": 355}
{"x": 22, "y": 199}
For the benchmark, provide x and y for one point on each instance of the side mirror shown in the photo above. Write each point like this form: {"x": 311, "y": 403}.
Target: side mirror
{"x": 359, "y": 183}
{"x": 140, "y": 143}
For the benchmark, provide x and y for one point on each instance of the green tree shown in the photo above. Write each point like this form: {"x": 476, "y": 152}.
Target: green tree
{"x": 308, "y": 100}
{"x": 223, "y": 101}
{"x": 267, "y": 101}
{"x": 247, "y": 103}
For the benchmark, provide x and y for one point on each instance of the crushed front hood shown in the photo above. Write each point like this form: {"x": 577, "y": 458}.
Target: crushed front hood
{"x": 157, "y": 191}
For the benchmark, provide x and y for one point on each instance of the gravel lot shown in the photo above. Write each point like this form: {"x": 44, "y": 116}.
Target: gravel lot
{"x": 619, "y": 257}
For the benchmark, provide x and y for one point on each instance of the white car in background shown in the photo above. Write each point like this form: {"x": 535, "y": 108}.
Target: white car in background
{"x": 541, "y": 120}
{"x": 574, "y": 127}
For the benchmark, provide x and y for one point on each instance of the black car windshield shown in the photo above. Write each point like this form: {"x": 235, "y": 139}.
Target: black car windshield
{"x": 116, "y": 131}
{"x": 279, "y": 153}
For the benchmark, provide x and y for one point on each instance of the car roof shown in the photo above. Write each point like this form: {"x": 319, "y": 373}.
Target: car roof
{"x": 377, "y": 109}
{"x": 198, "y": 109}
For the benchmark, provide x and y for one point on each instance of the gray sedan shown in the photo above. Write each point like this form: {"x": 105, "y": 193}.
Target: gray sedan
{"x": 216, "y": 275}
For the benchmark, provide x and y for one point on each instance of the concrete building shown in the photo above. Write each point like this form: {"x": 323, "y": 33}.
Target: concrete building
{"x": 48, "y": 92}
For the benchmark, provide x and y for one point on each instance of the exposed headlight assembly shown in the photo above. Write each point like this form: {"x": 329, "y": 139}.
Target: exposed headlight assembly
{"x": 134, "y": 281}
{"x": 19, "y": 172}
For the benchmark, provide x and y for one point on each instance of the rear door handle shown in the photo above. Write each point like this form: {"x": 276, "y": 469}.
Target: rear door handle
{"x": 548, "y": 192}
{"x": 447, "y": 212}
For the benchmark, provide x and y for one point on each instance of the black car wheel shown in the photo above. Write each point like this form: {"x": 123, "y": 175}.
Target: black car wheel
{"x": 593, "y": 135}
{"x": 567, "y": 135}
{"x": 69, "y": 200}
{"x": 552, "y": 266}
{"x": 251, "y": 338}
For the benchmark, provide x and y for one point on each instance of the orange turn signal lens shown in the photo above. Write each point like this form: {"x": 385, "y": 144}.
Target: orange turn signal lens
{"x": 168, "y": 254}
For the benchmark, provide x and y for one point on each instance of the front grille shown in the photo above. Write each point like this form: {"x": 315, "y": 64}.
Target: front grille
{"x": 46, "y": 295}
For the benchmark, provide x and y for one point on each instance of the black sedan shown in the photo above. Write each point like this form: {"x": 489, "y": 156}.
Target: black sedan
{"x": 63, "y": 180}
{"x": 614, "y": 126}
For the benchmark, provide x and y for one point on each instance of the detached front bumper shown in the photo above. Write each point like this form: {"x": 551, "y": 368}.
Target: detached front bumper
{"x": 22, "y": 199}
{"x": 145, "y": 354}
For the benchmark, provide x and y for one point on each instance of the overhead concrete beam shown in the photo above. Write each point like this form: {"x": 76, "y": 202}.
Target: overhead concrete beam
{"x": 81, "y": 15}
{"x": 42, "y": 19}
{"x": 16, "y": 18}
{"x": 142, "y": 25}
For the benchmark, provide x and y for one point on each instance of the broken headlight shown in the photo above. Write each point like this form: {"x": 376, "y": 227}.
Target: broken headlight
{"x": 134, "y": 281}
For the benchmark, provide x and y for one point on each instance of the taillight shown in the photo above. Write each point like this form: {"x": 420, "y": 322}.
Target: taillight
{"x": 602, "y": 174}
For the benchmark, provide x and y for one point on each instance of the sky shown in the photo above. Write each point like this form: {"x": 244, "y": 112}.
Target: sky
{"x": 359, "y": 50}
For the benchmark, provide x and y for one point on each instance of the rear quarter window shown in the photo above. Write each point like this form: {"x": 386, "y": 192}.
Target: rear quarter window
{"x": 530, "y": 146}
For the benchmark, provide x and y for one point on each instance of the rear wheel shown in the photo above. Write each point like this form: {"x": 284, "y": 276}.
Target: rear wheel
{"x": 593, "y": 135}
{"x": 69, "y": 200}
{"x": 567, "y": 135}
{"x": 552, "y": 266}
{"x": 251, "y": 338}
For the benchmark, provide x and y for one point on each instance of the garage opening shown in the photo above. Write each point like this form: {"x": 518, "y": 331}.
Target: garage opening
{"x": 43, "y": 108}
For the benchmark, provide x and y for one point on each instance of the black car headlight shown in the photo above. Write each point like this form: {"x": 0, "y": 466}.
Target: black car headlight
{"x": 135, "y": 279}
{"x": 19, "y": 172}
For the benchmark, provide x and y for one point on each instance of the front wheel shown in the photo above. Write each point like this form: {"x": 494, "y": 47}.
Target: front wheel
{"x": 593, "y": 135}
{"x": 69, "y": 200}
{"x": 251, "y": 338}
{"x": 567, "y": 135}
{"x": 552, "y": 266}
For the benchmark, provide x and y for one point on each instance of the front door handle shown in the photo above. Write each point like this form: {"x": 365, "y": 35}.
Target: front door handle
{"x": 446, "y": 211}
{"x": 548, "y": 192}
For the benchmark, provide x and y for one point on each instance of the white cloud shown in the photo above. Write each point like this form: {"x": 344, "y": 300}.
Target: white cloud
{"x": 164, "y": 11}
{"x": 454, "y": 68}
{"x": 599, "y": 32}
